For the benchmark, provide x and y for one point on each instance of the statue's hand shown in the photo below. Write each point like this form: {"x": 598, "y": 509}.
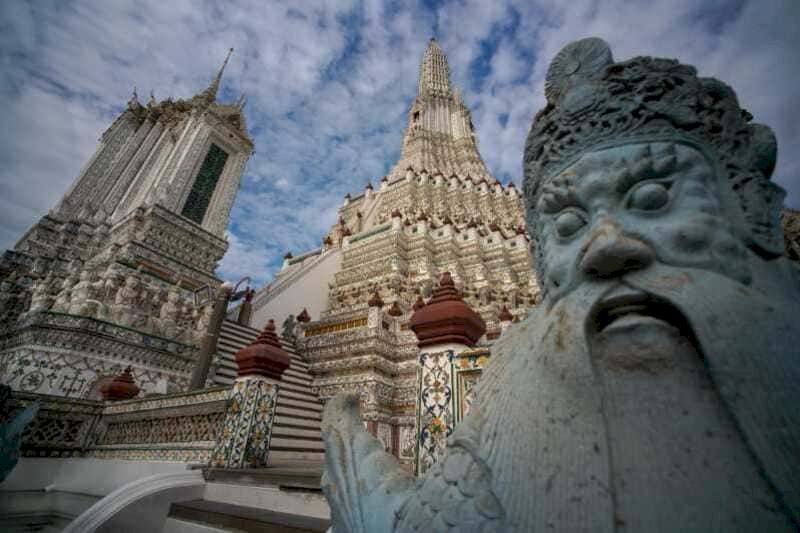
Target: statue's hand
{"x": 365, "y": 486}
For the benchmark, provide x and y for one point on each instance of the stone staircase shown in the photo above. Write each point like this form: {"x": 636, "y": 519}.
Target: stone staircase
{"x": 275, "y": 499}
{"x": 296, "y": 437}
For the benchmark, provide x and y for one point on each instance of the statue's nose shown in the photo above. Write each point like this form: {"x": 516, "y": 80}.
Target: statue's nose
{"x": 609, "y": 252}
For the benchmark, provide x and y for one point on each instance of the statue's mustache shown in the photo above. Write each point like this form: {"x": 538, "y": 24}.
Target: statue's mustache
{"x": 660, "y": 291}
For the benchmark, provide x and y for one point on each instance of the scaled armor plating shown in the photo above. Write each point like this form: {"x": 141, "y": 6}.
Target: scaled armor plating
{"x": 655, "y": 388}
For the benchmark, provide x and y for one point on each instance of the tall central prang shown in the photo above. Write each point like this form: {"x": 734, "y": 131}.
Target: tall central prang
{"x": 438, "y": 210}
{"x": 440, "y": 136}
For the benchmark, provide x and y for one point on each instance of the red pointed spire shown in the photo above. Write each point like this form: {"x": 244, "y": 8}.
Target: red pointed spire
{"x": 375, "y": 301}
{"x": 419, "y": 304}
{"x": 505, "y": 315}
{"x": 304, "y": 316}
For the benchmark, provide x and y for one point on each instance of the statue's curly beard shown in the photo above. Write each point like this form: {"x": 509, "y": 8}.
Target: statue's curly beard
{"x": 688, "y": 366}
{"x": 662, "y": 409}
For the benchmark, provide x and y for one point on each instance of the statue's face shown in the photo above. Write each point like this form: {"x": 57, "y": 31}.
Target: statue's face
{"x": 635, "y": 209}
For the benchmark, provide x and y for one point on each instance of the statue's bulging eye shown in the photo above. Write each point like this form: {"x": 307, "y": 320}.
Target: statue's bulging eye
{"x": 649, "y": 197}
{"x": 568, "y": 223}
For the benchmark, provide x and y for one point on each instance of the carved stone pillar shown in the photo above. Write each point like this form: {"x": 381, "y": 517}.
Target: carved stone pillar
{"x": 445, "y": 327}
{"x": 244, "y": 439}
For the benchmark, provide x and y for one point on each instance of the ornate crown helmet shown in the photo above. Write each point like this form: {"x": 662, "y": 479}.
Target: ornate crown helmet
{"x": 595, "y": 103}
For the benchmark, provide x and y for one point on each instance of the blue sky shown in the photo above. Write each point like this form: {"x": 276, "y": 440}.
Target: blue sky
{"x": 328, "y": 85}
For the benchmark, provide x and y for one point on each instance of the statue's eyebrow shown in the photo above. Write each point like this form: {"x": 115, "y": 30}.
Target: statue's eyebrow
{"x": 645, "y": 166}
{"x": 558, "y": 194}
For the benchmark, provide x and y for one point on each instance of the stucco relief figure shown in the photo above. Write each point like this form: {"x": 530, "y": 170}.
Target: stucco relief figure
{"x": 125, "y": 302}
{"x": 61, "y": 305}
{"x": 8, "y": 298}
{"x": 655, "y": 387}
{"x": 169, "y": 315}
{"x": 202, "y": 322}
{"x": 106, "y": 289}
{"x": 82, "y": 299}
{"x": 41, "y": 299}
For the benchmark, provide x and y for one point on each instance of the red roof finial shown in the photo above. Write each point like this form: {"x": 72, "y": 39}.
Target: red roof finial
{"x": 505, "y": 315}
{"x": 265, "y": 356}
{"x": 446, "y": 318}
{"x": 395, "y": 310}
{"x": 375, "y": 301}
{"x": 304, "y": 316}
{"x": 122, "y": 387}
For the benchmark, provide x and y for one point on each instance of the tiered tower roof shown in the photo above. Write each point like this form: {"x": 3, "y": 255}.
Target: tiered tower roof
{"x": 440, "y": 137}
{"x": 434, "y": 73}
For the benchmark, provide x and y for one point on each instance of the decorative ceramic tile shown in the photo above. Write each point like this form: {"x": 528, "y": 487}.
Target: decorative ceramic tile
{"x": 243, "y": 441}
{"x": 181, "y": 427}
{"x": 446, "y": 383}
{"x": 435, "y": 410}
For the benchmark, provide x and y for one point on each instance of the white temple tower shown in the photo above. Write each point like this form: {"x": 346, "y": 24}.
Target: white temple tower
{"x": 128, "y": 254}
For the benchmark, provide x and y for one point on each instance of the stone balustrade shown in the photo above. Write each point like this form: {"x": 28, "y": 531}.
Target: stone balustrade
{"x": 174, "y": 427}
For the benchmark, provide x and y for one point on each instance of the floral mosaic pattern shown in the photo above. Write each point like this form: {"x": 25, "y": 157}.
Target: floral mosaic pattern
{"x": 244, "y": 439}
{"x": 446, "y": 391}
{"x": 468, "y": 367}
{"x": 435, "y": 419}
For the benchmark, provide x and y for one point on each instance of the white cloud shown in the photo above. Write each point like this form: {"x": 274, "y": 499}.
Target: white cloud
{"x": 329, "y": 83}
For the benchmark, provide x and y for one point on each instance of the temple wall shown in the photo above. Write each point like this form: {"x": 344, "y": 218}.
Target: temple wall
{"x": 309, "y": 289}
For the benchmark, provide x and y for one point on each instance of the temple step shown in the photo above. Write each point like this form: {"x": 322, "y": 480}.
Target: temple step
{"x": 306, "y": 414}
{"x": 277, "y": 457}
{"x": 204, "y": 516}
{"x": 295, "y": 432}
{"x": 294, "y": 422}
{"x": 296, "y": 444}
{"x": 299, "y": 404}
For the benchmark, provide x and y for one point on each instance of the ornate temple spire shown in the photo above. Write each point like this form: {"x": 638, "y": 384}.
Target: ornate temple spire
{"x": 440, "y": 136}
{"x": 434, "y": 74}
{"x": 211, "y": 92}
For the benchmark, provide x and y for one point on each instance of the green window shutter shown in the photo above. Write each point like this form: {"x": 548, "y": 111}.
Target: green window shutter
{"x": 204, "y": 184}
